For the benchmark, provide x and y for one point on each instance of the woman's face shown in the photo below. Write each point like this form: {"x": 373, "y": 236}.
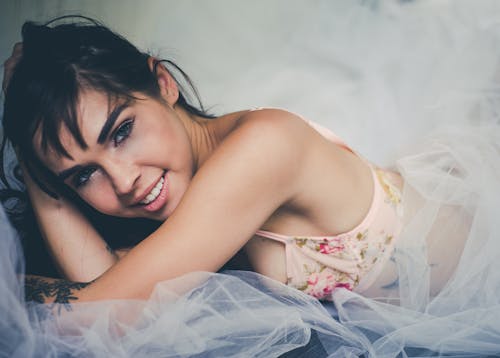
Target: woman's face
{"x": 139, "y": 159}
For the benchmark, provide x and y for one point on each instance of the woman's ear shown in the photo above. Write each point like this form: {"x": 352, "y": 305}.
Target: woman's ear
{"x": 168, "y": 87}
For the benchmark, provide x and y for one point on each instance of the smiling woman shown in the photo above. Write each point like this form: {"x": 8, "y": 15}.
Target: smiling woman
{"x": 124, "y": 155}
{"x": 107, "y": 126}
{"x": 135, "y": 149}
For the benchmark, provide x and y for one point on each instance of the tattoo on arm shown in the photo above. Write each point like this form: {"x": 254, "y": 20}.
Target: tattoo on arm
{"x": 42, "y": 290}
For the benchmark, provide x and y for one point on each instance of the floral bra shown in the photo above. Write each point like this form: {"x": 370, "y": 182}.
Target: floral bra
{"x": 317, "y": 265}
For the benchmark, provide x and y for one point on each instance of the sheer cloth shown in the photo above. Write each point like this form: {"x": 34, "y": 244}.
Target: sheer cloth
{"x": 440, "y": 292}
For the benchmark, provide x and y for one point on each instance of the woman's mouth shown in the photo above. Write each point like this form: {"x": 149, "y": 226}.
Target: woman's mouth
{"x": 154, "y": 193}
{"x": 157, "y": 197}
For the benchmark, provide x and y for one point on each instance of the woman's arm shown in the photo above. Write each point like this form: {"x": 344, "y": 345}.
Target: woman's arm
{"x": 50, "y": 290}
{"x": 257, "y": 168}
{"x": 78, "y": 249}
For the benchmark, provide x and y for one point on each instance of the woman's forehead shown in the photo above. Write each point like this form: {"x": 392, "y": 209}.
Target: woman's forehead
{"x": 93, "y": 106}
{"x": 95, "y": 114}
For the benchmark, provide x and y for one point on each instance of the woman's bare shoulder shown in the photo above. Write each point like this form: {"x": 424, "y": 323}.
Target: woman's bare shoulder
{"x": 278, "y": 136}
{"x": 270, "y": 123}
{"x": 274, "y": 116}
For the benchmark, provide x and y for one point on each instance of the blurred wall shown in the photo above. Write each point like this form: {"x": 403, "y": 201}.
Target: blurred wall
{"x": 222, "y": 44}
{"x": 372, "y": 70}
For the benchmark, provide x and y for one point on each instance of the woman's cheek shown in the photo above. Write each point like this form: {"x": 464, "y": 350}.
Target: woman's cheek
{"x": 100, "y": 197}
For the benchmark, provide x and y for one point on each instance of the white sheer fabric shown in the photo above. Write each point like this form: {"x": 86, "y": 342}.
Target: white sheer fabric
{"x": 440, "y": 293}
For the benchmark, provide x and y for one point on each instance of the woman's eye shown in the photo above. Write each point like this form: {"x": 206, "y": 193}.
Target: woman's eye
{"x": 83, "y": 177}
{"x": 123, "y": 132}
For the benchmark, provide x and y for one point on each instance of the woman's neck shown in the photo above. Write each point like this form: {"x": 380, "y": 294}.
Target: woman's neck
{"x": 205, "y": 134}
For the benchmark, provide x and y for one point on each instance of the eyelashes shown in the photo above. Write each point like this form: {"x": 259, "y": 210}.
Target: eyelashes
{"x": 123, "y": 131}
{"x": 119, "y": 136}
{"x": 83, "y": 176}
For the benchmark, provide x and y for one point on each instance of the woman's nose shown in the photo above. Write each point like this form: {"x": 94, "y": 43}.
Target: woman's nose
{"x": 123, "y": 178}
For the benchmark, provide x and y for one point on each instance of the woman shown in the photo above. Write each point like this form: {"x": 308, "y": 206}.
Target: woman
{"x": 110, "y": 124}
{"x": 135, "y": 149}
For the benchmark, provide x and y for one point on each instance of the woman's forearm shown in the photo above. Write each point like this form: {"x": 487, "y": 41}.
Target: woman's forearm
{"x": 78, "y": 249}
{"x": 49, "y": 290}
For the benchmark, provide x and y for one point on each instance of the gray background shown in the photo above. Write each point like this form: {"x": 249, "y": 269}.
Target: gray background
{"x": 369, "y": 78}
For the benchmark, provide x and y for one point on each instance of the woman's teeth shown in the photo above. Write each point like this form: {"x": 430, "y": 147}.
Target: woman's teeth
{"x": 154, "y": 193}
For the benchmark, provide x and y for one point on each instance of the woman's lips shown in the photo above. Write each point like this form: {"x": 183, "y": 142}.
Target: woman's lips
{"x": 161, "y": 199}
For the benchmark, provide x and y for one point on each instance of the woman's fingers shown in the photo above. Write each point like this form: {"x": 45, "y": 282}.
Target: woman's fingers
{"x": 10, "y": 64}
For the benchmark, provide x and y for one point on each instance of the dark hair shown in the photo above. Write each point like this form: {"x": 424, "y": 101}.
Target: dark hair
{"x": 59, "y": 60}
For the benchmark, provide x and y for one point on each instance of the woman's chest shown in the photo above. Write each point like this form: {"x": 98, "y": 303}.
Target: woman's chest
{"x": 267, "y": 256}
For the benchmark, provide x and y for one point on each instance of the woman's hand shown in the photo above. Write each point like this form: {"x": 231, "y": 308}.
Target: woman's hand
{"x": 10, "y": 64}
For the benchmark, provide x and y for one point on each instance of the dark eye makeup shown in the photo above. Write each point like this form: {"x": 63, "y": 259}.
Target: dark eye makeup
{"x": 123, "y": 131}
{"x": 83, "y": 176}
{"x": 119, "y": 136}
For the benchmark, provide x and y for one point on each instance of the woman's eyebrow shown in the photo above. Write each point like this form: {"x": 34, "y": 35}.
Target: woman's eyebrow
{"x": 110, "y": 122}
{"x": 106, "y": 128}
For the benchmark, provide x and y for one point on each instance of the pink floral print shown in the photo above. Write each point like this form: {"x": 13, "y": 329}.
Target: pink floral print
{"x": 361, "y": 247}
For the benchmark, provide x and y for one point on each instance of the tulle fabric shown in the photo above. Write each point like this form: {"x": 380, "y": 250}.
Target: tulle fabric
{"x": 198, "y": 315}
{"x": 440, "y": 293}
{"x": 446, "y": 262}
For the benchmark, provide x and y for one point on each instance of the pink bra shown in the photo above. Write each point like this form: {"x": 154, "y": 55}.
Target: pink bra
{"x": 317, "y": 265}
